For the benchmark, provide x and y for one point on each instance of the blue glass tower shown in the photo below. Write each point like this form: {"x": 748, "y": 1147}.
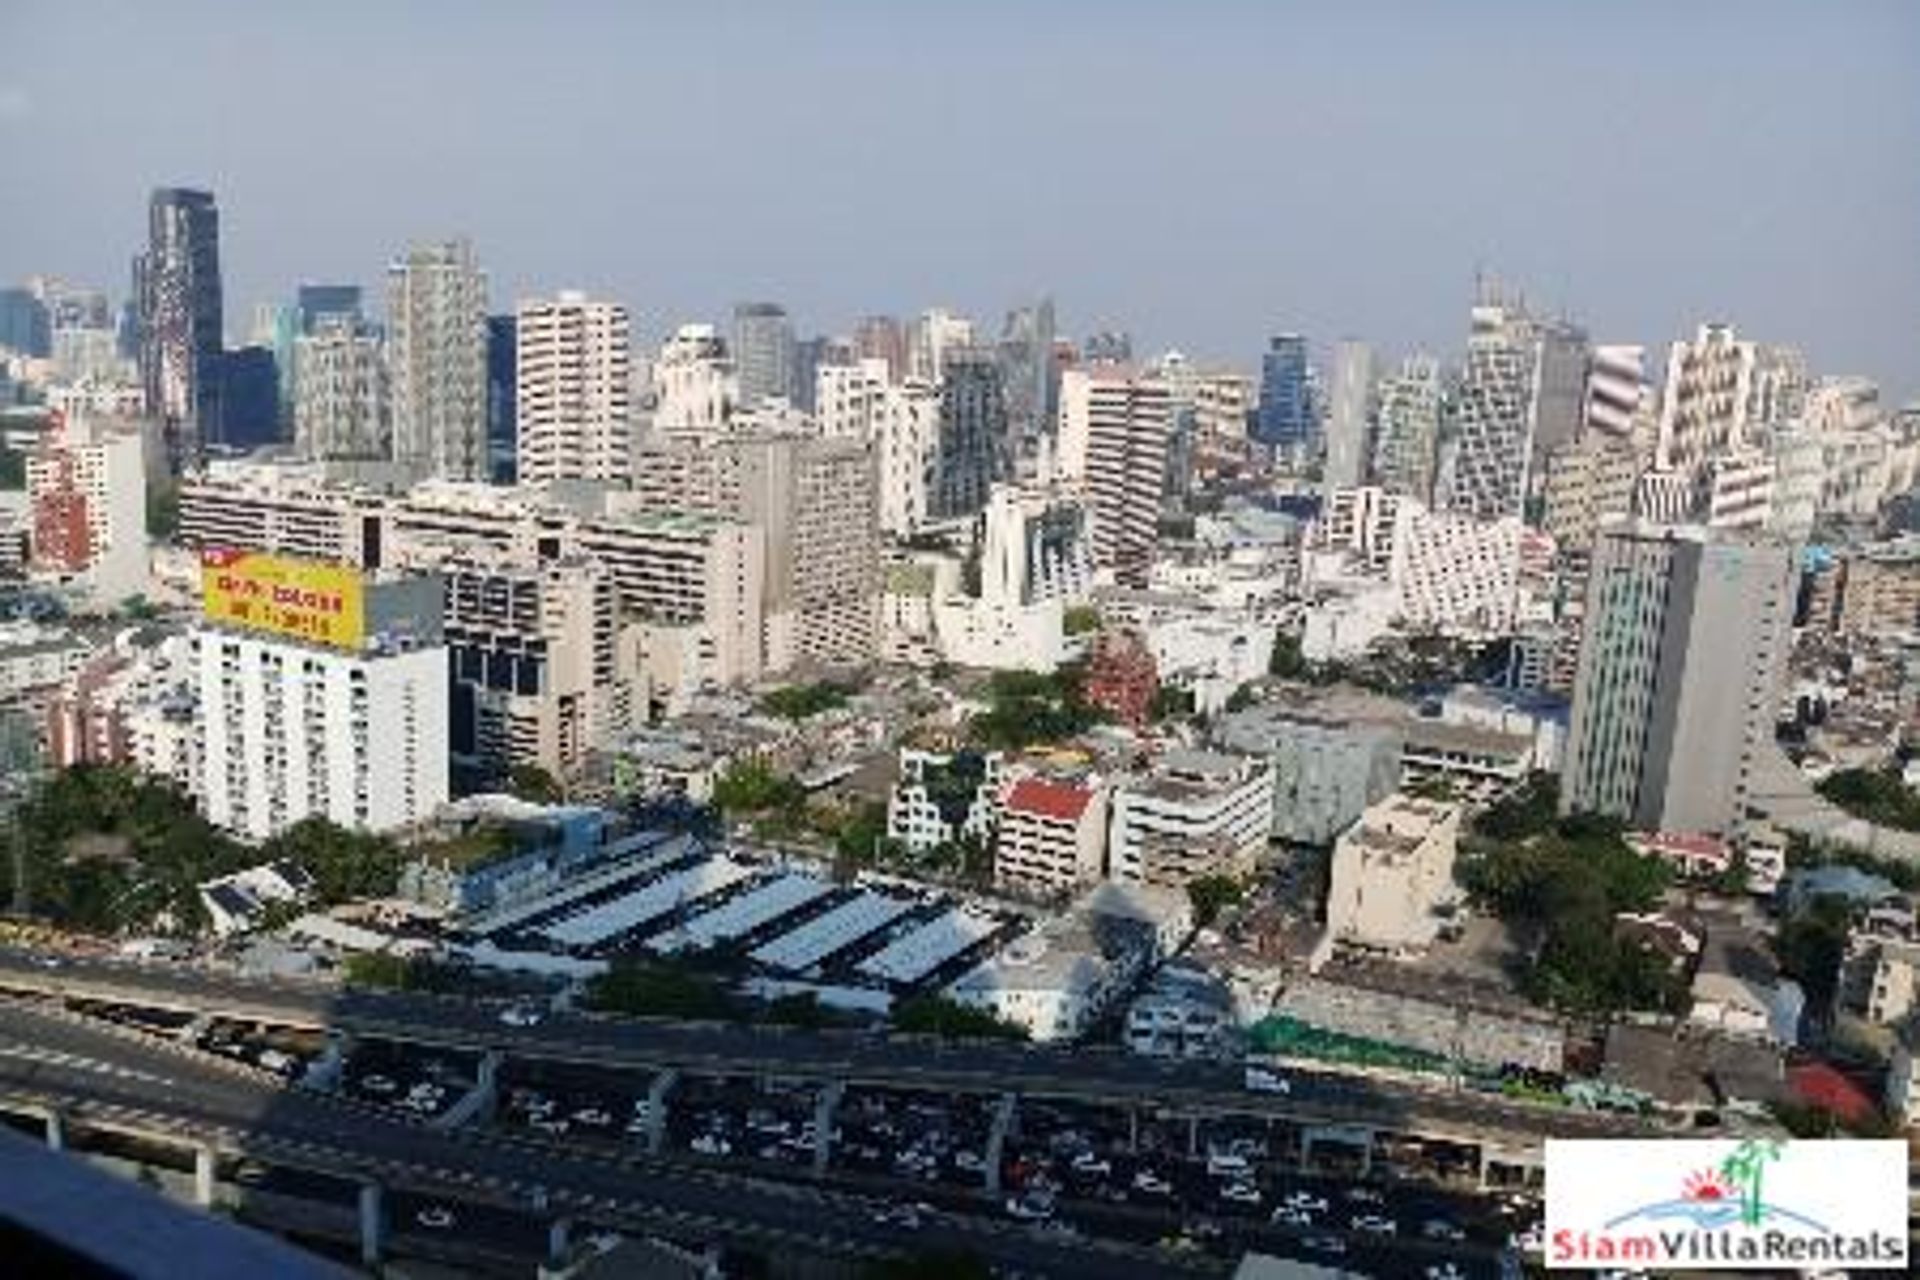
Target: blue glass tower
{"x": 1285, "y": 415}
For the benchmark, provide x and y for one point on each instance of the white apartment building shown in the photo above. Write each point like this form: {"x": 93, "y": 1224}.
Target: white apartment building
{"x": 340, "y": 407}
{"x": 1454, "y": 572}
{"x": 437, "y": 361}
{"x": 943, "y": 796}
{"x": 1126, "y": 461}
{"x": 1362, "y": 522}
{"x": 1350, "y": 415}
{"x": 1616, "y": 391}
{"x": 1034, "y": 548}
{"x": 87, "y": 490}
{"x": 1497, "y": 409}
{"x": 1391, "y": 872}
{"x": 901, "y": 420}
{"x": 1407, "y": 428}
{"x": 288, "y": 730}
{"x": 936, "y": 333}
{"x": 694, "y": 386}
{"x": 1053, "y": 835}
{"x": 1589, "y": 482}
{"x": 1191, "y": 814}
{"x": 1738, "y": 490}
{"x": 572, "y": 376}
{"x": 1706, "y": 399}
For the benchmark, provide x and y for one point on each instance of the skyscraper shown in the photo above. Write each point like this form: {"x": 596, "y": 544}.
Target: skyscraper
{"x": 177, "y": 285}
{"x": 315, "y": 303}
{"x": 1026, "y": 370}
{"x": 1350, "y": 415}
{"x": 882, "y": 338}
{"x": 1685, "y": 637}
{"x": 340, "y": 393}
{"x": 572, "y": 374}
{"x": 762, "y": 352}
{"x": 437, "y": 360}
{"x": 1285, "y": 416}
{"x": 25, "y": 326}
{"x": 1408, "y": 428}
{"x": 1705, "y": 403}
{"x": 1127, "y": 440}
{"x": 973, "y": 447}
{"x": 502, "y": 400}
{"x": 1496, "y": 411}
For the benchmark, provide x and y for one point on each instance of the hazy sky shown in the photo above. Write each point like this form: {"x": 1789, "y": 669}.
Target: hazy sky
{"x": 1199, "y": 172}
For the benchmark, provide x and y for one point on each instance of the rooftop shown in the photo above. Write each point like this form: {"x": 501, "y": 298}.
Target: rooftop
{"x": 1058, "y": 801}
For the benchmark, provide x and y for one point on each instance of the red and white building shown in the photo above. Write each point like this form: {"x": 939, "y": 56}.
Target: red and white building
{"x": 1053, "y": 835}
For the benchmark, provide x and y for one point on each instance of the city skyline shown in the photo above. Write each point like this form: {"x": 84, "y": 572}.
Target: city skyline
{"x": 733, "y": 160}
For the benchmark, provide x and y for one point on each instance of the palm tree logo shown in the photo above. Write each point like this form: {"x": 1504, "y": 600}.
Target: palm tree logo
{"x": 1745, "y": 1169}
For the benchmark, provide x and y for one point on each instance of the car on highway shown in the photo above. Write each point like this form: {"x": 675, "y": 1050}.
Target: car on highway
{"x": 1365, "y": 1195}
{"x": 377, "y": 1084}
{"x": 1325, "y": 1244}
{"x": 1373, "y": 1224}
{"x": 898, "y": 1215}
{"x": 592, "y": 1118}
{"x": 1263, "y": 1080}
{"x": 1225, "y": 1164}
{"x": 1287, "y": 1215}
{"x": 436, "y": 1217}
{"x": 1030, "y": 1208}
{"x": 1147, "y": 1182}
{"x": 520, "y": 1015}
{"x": 1240, "y": 1193}
{"x": 711, "y": 1144}
{"x": 1089, "y": 1163}
{"x": 1441, "y": 1229}
{"x": 969, "y": 1161}
{"x": 1445, "y": 1271}
{"x": 1306, "y": 1202}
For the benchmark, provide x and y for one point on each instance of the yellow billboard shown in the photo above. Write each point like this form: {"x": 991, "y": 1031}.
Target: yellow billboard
{"x": 300, "y": 599}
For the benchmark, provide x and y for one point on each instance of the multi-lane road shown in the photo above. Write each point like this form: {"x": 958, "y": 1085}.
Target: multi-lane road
{"x": 1109, "y": 1076}
{"x": 114, "y": 1078}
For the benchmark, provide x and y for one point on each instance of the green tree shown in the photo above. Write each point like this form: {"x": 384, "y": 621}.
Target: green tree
{"x": 535, "y": 785}
{"x": 749, "y": 786}
{"x": 1812, "y": 943}
{"x": 1081, "y": 618}
{"x": 1242, "y": 698}
{"x": 661, "y": 989}
{"x": 940, "y": 1016}
{"x": 801, "y": 1009}
{"x": 163, "y": 511}
{"x": 1286, "y": 662}
{"x": 931, "y": 1264}
{"x": 1881, "y": 796}
{"x": 803, "y": 701}
{"x": 344, "y": 864}
{"x": 1170, "y": 702}
{"x": 377, "y": 969}
{"x": 1211, "y": 895}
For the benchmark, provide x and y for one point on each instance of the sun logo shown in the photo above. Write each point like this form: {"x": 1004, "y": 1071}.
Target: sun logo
{"x": 1706, "y": 1185}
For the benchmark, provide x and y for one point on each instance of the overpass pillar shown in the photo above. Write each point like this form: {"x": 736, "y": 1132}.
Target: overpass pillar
{"x": 1193, "y": 1136}
{"x": 559, "y": 1241}
{"x": 1005, "y": 1113}
{"x": 203, "y": 1184}
{"x": 823, "y": 1113}
{"x": 56, "y": 1129}
{"x": 657, "y": 1109}
{"x": 480, "y": 1101}
{"x": 373, "y": 1224}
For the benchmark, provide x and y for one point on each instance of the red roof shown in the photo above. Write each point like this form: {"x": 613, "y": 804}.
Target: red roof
{"x": 1060, "y": 801}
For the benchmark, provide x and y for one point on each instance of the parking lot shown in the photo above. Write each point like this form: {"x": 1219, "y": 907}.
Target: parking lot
{"x": 737, "y": 1118}
{"x": 916, "y": 1137}
{"x": 578, "y": 1102}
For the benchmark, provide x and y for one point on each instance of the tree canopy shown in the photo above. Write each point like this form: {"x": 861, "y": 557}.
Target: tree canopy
{"x": 940, "y": 1016}
{"x": 1026, "y": 707}
{"x": 1880, "y": 796}
{"x": 803, "y": 701}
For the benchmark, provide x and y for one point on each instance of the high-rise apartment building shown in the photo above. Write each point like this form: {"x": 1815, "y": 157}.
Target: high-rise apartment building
{"x": 1684, "y": 640}
{"x": 763, "y": 352}
{"x": 316, "y": 304}
{"x": 974, "y": 448}
{"x": 354, "y": 731}
{"x": 881, "y": 338}
{"x": 1126, "y": 460}
{"x": 1589, "y": 482}
{"x": 1025, "y": 353}
{"x": 177, "y": 289}
{"x": 25, "y": 327}
{"x": 1616, "y": 391}
{"x": 935, "y": 333}
{"x": 694, "y": 386}
{"x": 1407, "y": 428}
{"x": 902, "y": 422}
{"x": 340, "y": 392}
{"x": 815, "y": 500}
{"x": 502, "y": 398}
{"x": 437, "y": 358}
{"x": 87, "y": 494}
{"x": 1285, "y": 417}
{"x": 1705, "y": 401}
{"x": 572, "y": 375}
{"x": 1349, "y": 415}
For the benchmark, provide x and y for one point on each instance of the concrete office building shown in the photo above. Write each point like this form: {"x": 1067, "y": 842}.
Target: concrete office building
{"x": 694, "y": 388}
{"x": 1391, "y": 872}
{"x": 1332, "y": 755}
{"x": 1588, "y": 482}
{"x": 340, "y": 404}
{"x": 1706, "y": 399}
{"x": 177, "y": 296}
{"x": 531, "y": 654}
{"x": 1349, "y": 415}
{"x": 572, "y": 378}
{"x": 934, "y": 335}
{"x": 1407, "y": 429}
{"x": 763, "y": 352}
{"x": 901, "y": 420}
{"x": 288, "y": 729}
{"x": 1126, "y": 458}
{"x": 881, "y": 338}
{"x": 1285, "y": 415}
{"x": 437, "y": 361}
{"x": 1685, "y": 636}
{"x": 1191, "y": 814}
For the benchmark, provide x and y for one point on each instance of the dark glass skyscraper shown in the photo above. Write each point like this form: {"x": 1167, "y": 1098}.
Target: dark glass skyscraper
{"x": 177, "y": 283}
{"x": 974, "y": 449}
{"x": 1285, "y": 415}
{"x": 24, "y": 324}
{"x": 503, "y": 346}
{"x": 316, "y": 302}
